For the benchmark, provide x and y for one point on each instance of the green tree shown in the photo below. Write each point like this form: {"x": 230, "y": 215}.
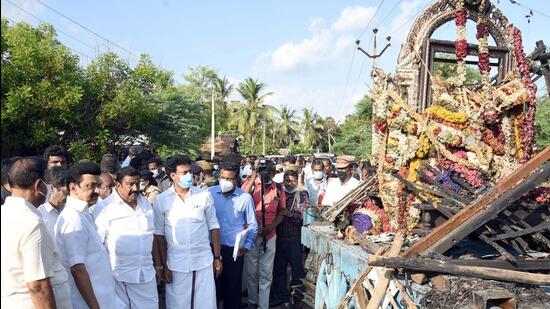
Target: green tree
{"x": 251, "y": 117}
{"x": 542, "y": 122}
{"x": 223, "y": 88}
{"x": 312, "y": 129}
{"x": 41, "y": 89}
{"x": 287, "y": 124}
{"x": 355, "y": 134}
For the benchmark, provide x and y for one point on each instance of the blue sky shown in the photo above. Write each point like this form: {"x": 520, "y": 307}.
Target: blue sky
{"x": 303, "y": 50}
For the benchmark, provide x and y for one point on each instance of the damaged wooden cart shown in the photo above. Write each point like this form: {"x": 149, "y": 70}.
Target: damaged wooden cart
{"x": 462, "y": 195}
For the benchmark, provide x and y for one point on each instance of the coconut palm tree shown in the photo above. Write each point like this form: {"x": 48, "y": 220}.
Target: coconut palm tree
{"x": 223, "y": 89}
{"x": 287, "y": 124}
{"x": 253, "y": 113}
{"x": 312, "y": 129}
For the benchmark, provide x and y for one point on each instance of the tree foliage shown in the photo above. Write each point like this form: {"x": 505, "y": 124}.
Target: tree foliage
{"x": 542, "y": 122}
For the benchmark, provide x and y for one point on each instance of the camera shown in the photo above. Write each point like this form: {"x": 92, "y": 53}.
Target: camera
{"x": 265, "y": 166}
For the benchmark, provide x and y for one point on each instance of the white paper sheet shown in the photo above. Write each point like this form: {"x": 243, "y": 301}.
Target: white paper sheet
{"x": 239, "y": 242}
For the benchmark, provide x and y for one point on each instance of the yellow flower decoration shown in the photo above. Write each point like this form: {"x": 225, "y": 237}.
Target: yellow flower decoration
{"x": 447, "y": 115}
{"x": 423, "y": 148}
{"x": 413, "y": 176}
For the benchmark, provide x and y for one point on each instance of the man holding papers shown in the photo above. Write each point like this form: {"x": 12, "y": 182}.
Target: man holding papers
{"x": 235, "y": 212}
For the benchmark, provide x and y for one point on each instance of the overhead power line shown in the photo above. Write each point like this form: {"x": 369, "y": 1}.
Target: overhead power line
{"x": 530, "y": 9}
{"x": 43, "y": 21}
{"x": 87, "y": 29}
{"x": 370, "y": 21}
{"x": 389, "y": 13}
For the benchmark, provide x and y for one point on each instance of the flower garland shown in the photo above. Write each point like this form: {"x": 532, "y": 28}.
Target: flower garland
{"x": 380, "y": 221}
{"x": 472, "y": 176}
{"x": 528, "y": 129}
{"x": 509, "y": 142}
{"x": 453, "y": 117}
{"x": 495, "y": 139}
{"x": 413, "y": 166}
{"x": 423, "y": 147}
{"x": 461, "y": 44}
{"x": 519, "y": 149}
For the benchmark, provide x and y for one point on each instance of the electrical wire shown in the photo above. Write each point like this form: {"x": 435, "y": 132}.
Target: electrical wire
{"x": 72, "y": 49}
{"x": 371, "y": 19}
{"x": 528, "y": 8}
{"x": 389, "y": 13}
{"x": 43, "y": 21}
{"x": 87, "y": 29}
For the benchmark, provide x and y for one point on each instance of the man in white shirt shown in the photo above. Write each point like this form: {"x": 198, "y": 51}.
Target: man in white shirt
{"x": 32, "y": 274}
{"x": 58, "y": 178}
{"x": 125, "y": 226}
{"x": 337, "y": 188}
{"x": 83, "y": 255}
{"x": 317, "y": 184}
{"x": 185, "y": 217}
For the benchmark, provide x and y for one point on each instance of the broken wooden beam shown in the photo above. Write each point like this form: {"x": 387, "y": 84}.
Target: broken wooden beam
{"x": 386, "y": 274}
{"x": 352, "y": 234}
{"x": 437, "y": 266}
{"x": 485, "y": 208}
{"x": 541, "y": 227}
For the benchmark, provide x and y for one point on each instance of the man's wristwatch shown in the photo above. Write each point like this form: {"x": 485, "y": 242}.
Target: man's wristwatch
{"x": 218, "y": 257}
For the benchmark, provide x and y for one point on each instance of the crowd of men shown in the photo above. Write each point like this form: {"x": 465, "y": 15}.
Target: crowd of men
{"x": 146, "y": 234}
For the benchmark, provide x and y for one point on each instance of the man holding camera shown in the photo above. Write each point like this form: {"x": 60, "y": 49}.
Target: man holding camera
{"x": 259, "y": 260}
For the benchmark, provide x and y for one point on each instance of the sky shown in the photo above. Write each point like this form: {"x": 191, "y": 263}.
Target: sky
{"x": 304, "y": 51}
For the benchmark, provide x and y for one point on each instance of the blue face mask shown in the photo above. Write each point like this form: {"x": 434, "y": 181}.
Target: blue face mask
{"x": 186, "y": 181}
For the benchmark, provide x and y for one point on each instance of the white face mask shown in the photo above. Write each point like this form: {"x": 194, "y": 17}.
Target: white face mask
{"x": 155, "y": 172}
{"x": 318, "y": 175}
{"x": 226, "y": 185}
{"x": 141, "y": 187}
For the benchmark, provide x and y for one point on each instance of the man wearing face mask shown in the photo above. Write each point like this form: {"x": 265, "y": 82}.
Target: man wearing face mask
{"x": 235, "y": 212}
{"x": 289, "y": 247}
{"x": 83, "y": 255}
{"x": 32, "y": 274}
{"x": 185, "y": 217}
{"x": 317, "y": 183}
{"x": 58, "y": 178}
{"x": 337, "y": 188}
{"x": 154, "y": 165}
{"x": 125, "y": 226}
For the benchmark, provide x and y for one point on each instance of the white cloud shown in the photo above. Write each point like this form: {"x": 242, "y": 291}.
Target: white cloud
{"x": 324, "y": 44}
{"x": 17, "y": 15}
{"x": 353, "y": 18}
{"x": 308, "y": 52}
{"x": 316, "y": 24}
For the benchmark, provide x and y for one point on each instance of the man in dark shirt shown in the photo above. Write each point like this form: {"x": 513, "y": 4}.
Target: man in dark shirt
{"x": 289, "y": 248}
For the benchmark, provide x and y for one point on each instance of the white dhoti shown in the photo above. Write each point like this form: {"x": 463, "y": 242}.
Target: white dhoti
{"x": 138, "y": 295}
{"x": 194, "y": 290}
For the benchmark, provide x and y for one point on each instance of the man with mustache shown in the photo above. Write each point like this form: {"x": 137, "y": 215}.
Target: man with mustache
{"x": 125, "y": 225}
{"x": 83, "y": 255}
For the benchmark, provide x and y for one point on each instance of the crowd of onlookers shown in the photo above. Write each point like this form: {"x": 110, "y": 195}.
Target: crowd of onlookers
{"x": 143, "y": 233}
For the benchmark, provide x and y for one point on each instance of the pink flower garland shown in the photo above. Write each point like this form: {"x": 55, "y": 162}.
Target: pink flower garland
{"x": 529, "y": 121}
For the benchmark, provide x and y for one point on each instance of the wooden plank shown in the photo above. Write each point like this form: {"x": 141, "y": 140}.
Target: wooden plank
{"x": 436, "y": 266}
{"x": 481, "y": 205}
{"x": 386, "y": 273}
{"x": 520, "y": 265}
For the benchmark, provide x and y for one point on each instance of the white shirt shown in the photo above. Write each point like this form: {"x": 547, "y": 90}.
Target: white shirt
{"x": 49, "y": 215}
{"x": 314, "y": 188}
{"x": 28, "y": 252}
{"x": 336, "y": 191}
{"x": 186, "y": 225}
{"x": 79, "y": 243}
{"x": 128, "y": 236}
{"x": 126, "y": 162}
